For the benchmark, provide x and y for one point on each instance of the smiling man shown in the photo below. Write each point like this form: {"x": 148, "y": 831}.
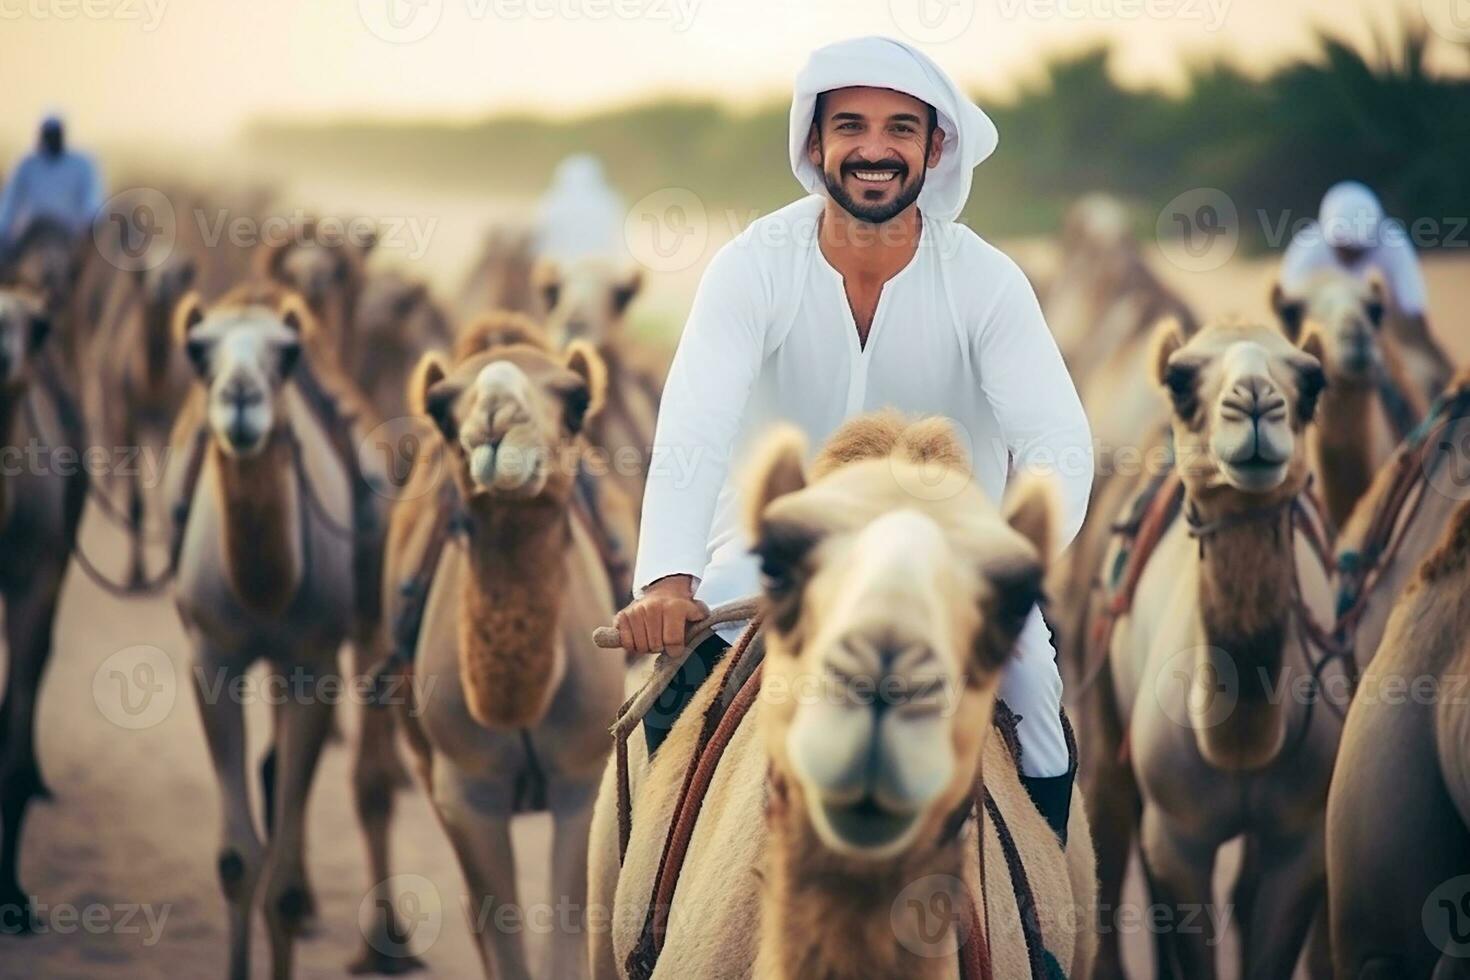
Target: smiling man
{"x": 862, "y": 296}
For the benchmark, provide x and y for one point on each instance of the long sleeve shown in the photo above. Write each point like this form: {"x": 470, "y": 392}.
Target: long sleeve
{"x": 1033, "y": 398}
{"x": 12, "y": 201}
{"x": 699, "y": 417}
{"x": 1400, "y": 265}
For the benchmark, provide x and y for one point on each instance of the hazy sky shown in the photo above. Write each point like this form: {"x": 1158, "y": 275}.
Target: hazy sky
{"x": 194, "y": 70}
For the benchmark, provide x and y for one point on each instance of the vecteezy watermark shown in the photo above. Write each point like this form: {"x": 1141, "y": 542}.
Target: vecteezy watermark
{"x": 408, "y": 21}
{"x": 402, "y": 915}
{"x": 98, "y": 462}
{"x": 301, "y": 686}
{"x": 1212, "y": 14}
{"x": 1197, "y": 687}
{"x": 1450, "y": 19}
{"x": 136, "y": 229}
{"x": 98, "y": 919}
{"x": 404, "y": 233}
{"x": 1447, "y": 460}
{"x": 1446, "y": 917}
{"x": 932, "y": 21}
{"x": 1199, "y": 230}
{"x": 667, "y": 231}
{"x": 932, "y": 916}
{"x": 394, "y": 450}
{"x": 146, "y": 13}
{"x": 1424, "y": 232}
{"x": 135, "y": 687}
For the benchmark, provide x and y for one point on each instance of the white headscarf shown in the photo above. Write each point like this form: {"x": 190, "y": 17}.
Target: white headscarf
{"x": 1350, "y": 215}
{"x": 881, "y": 62}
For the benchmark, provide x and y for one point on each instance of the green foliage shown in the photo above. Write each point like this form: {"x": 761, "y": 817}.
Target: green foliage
{"x": 1273, "y": 143}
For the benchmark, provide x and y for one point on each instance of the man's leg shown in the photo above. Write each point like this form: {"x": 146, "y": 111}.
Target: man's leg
{"x": 1032, "y": 687}
{"x": 700, "y": 663}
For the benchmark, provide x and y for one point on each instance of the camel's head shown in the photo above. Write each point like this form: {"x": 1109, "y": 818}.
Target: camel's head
{"x": 24, "y": 327}
{"x": 894, "y": 593}
{"x": 165, "y": 284}
{"x": 243, "y": 351}
{"x": 1346, "y": 315}
{"x": 511, "y": 413}
{"x": 1097, "y": 239}
{"x": 1242, "y": 394}
{"x": 584, "y": 300}
{"x": 323, "y": 268}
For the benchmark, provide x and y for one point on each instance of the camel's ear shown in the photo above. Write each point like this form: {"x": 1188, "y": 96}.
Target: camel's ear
{"x": 1290, "y": 312}
{"x": 187, "y": 315}
{"x": 584, "y": 400}
{"x": 776, "y": 470}
{"x": 1032, "y": 508}
{"x": 422, "y": 399}
{"x": 296, "y": 316}
{"x": 1375, "y": 305}
{"x": 624, "y": 291}
{"x": 1177, "y": 378}
{"x": 546, "y": 281}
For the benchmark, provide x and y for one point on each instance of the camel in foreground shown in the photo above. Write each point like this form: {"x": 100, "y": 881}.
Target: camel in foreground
{"x": 836, "y": 822}
{"x": 587, "y": 300}
{"x": 1398, "y": 815}
{"x": 516, "y": 699}
{"x": 1207, "y": 717}
{"x": 1356, "y": 428}
{"x": 40, "y": 508}
{"x": 269, "y": 570}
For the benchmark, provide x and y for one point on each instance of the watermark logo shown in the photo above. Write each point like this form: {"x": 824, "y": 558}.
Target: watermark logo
{"x": 1197, "y": 687}
{"x": 1199, "y": 230}
{"x": 1450, "y": 19}
{"x": 667, "y": 231}
{"x": 400, "y": 21}
{"x": 392, "y": 450}
{"x": 1446, "y": 917}
{"x": 1447, "y": 460}
{"x": 932, "y": 21}
{"x": 136, "y": 687}
{"x": 136, "y": 230}
{"x": 403, "y": 913}
{"x": 931, "y": 916}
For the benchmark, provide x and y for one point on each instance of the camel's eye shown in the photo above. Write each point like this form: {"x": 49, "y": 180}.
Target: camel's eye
{"x": 1017, "y": 590}
{"x": 1311, "y": 381}
{"x": 782, "y": 551}
{"x": 1181, "y": 380}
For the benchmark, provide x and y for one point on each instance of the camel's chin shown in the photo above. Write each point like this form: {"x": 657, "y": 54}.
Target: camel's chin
{"x": 865, "y": 829}
{"x": 1255, "y": 477}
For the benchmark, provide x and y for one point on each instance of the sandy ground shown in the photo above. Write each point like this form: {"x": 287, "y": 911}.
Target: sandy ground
{"x": 123, "y": 859}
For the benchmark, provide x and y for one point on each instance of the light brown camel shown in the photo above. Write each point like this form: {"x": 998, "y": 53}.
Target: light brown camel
{"x": 1354, "y": 434}
{"x": 500, "y": 279}
{"x": 329, "y": 271}
{"x": 269, "y": 571}
{"x": 516, "y": 700}
{"x": 40, "y": 507}
{"x": 587, "y": 300}
{"x": 830, "y": 831}
{"x": 1206, "y": 718}
{"x": 1398, "y": 815}
{"x": 138, "y": 379}
{"x": 398, "y": 320}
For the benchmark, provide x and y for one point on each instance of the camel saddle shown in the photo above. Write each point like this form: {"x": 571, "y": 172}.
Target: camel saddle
{"x": 738, "y": 693}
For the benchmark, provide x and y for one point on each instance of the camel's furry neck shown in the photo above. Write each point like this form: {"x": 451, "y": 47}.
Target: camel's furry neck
{"x": 510, "y": 605}
{"x": 1246, "y": 588}
{"x": 1343, "y": 446}
{"x": 827, "y": 918}
{"x": 260, "y": 523}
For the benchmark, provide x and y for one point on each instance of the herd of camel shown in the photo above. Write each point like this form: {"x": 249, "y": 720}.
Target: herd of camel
{"x": 1274, "y": 542}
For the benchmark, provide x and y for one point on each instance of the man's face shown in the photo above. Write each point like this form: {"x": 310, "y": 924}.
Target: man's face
{"x": 52, "y": 140}
{"x": 1349, "y": 255}
{"x": 872, "y": 146}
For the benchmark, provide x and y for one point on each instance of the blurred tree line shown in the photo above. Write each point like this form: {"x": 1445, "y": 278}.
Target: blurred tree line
{"x": 1272, "y": 142}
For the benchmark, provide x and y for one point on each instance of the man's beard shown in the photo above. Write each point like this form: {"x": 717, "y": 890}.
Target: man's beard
{"x": 873, "y": 214}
